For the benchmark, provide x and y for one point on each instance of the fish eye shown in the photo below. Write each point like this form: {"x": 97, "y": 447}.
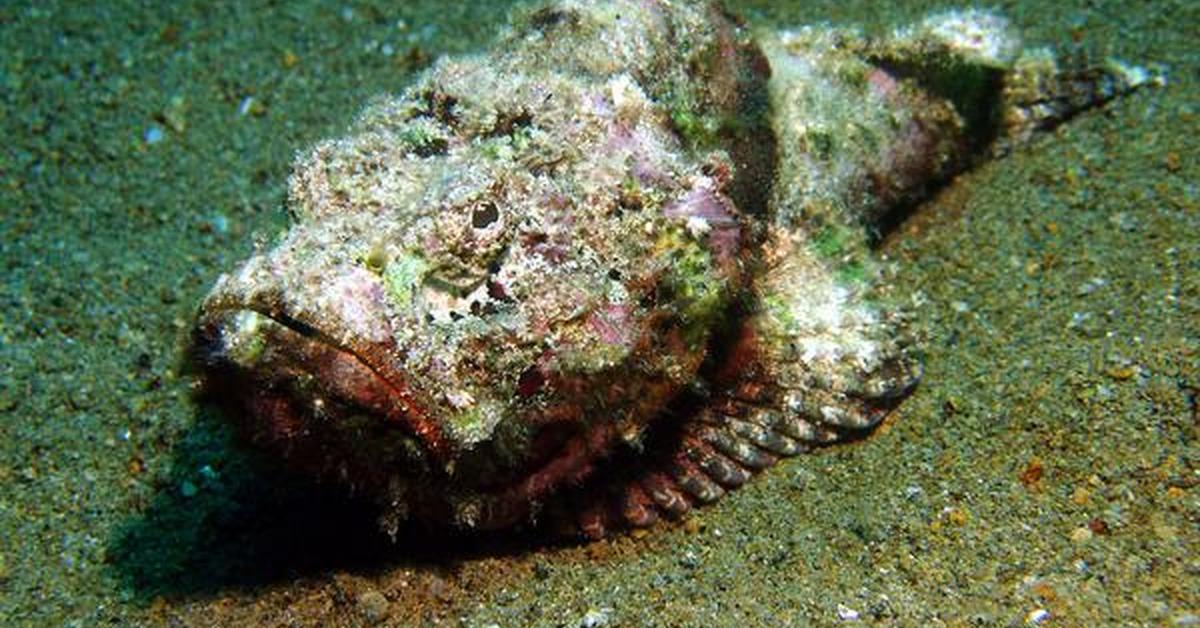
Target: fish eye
{"x": 484, "y": 216}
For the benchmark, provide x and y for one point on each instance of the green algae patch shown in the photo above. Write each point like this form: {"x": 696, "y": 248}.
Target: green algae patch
{"x": 840, "y": 248}
{"x": 852, "y": 272}
{"x": 248, "y": 347}
{"x": 374, "y": 260}
{"x": 830, "y": 243}
{"x": 778, "y": 310}
{"x": 476, "y": 422}
{"x": 401, "y": 277}
{"x": 692, "y": 282}
{"x": 423, "y": 140}
{"x": 697, "y": 129}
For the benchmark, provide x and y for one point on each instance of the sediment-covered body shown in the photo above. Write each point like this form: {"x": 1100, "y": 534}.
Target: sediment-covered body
{"x": 605, "y": 271}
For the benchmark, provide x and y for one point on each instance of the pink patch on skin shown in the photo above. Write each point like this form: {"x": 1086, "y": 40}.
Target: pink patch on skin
{"x": 703, "y": 202}
{"x": 905, "y": 163}
{"x": 553, "y": 244}
{"x": 648, "y": 173}
{"x": 611, "y": 324}
{"x": 913, "y": 156}
{"x": 883, "y": 84}
{"x": 623, "y": 139}
{"x": 600, "y": 105}
{"x": 359, "y": 298}
{"x": 553, "y": 253}
{"x": 725, "y": 242}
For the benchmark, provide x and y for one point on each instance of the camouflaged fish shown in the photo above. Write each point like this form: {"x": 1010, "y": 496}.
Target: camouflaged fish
{"x": 608, "y": 270}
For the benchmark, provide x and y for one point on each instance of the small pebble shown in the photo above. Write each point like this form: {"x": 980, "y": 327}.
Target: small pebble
{"x": 251, "y": 106}
{"x": 595, "y": 618}
{"x": 154, "y": 134}
{"x": 845, "y": 613}
{"x": 219, "y": 224}
{"x": 1091, "y": 285}
{"x": 373, "y": 605}
{"x": 1037, "y": 616}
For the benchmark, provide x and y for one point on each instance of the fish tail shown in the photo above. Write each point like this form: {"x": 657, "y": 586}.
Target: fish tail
{"x": 1043, "y": 90}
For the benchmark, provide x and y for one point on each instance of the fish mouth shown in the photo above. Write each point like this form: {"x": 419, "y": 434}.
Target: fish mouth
{"x": 335, "y": 409}
{"x": 294, "y": 382}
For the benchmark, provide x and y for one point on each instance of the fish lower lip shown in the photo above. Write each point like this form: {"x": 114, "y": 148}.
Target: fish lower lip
{"x": 273, "y": 350}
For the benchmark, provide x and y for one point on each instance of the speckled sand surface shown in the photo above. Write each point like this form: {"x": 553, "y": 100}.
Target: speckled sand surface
{"x": 1048, "y": 464}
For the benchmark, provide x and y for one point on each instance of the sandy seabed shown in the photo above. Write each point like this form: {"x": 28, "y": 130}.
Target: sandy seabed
{"x": 1046, "y": 470}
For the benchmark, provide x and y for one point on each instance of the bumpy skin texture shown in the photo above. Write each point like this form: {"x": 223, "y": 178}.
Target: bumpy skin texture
{"x": 608, "y": 270}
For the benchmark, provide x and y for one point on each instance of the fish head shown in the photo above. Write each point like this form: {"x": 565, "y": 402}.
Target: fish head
{"x": 461, "y": 321}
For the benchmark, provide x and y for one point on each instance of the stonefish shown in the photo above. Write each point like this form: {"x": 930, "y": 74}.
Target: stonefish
{"x": 606, "y": 271}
